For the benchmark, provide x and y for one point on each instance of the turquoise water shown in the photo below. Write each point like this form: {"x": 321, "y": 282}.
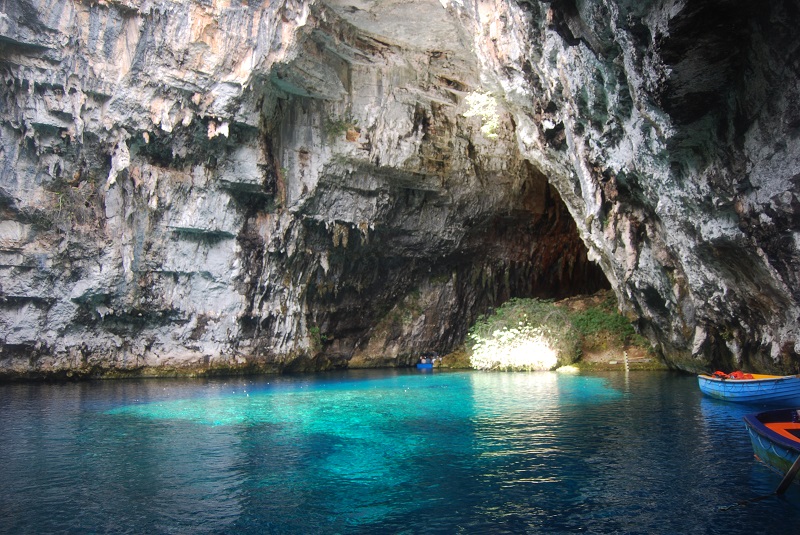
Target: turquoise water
{"x": 382, "y": 452}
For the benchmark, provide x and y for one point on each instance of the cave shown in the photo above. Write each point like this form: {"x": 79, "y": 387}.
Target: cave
{"x": 226, "y": 187}
{"x": 399, "y": 266}
{"x": 401, "y": 253}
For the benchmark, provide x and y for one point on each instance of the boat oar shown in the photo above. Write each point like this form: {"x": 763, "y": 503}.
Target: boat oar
{"x": 782, "y": 486}
{"x": 787, "y": 479}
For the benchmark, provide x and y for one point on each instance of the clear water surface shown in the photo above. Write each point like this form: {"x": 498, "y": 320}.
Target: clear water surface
{"x": 382, "y": 452}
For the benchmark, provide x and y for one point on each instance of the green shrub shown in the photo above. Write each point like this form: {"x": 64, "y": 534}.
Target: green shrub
{"x": 317, "y": 338}
{"x": 336, "y": 126}
{"x": 538, "y": 334}
{"x": 595, "y": 320}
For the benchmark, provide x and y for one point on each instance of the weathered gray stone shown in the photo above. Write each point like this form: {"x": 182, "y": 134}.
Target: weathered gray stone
{"x": 188, "y": 186}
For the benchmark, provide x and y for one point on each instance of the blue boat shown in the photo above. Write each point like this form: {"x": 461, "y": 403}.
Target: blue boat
{"x": 755, "y": 389}
{"x": 775, "y": 436}
{"x": 427, "y": 360}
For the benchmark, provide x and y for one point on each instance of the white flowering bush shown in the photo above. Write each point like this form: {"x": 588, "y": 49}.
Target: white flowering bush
{"x": 524, "y": 348}
{"x": 523, "y": 334}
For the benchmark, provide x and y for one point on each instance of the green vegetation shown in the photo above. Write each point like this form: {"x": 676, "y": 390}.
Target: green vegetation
{"x": 605, "y": 320}
{"x": 528, "y": 334}
{"x": 317, "y": 338}
{"x": 458, "y": 359}
{"x": 335, "y": 127}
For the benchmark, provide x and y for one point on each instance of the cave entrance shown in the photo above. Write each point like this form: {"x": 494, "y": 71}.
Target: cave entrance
{"x": 531, "y": 246}
{"x": 533, "y": 249}
{"x": 415, "y": 219}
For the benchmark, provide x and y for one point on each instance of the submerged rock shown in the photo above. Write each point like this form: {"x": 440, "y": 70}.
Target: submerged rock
{"x": 304, "y": 185}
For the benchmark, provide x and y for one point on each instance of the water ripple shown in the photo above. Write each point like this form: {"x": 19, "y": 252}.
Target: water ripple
{"x": 379, "y": 452}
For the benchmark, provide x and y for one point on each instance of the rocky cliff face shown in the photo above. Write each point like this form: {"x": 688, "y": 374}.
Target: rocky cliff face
{"x": 679, "y": 163}
{"x": 302, "y": 185}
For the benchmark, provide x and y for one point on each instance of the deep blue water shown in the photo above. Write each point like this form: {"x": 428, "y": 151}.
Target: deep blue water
{"x": 382, "y": 452}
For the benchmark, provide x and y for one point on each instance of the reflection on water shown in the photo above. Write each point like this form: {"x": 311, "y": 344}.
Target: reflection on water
{"x": 379, "y": 452}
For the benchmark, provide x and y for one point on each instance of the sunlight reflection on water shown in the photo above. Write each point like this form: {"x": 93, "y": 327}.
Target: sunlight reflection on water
{"x": 365, "y": 434}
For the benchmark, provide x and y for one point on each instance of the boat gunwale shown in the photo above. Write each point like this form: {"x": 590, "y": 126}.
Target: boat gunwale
{"x": 752, "y": 421}
{"x": 777, "y": 391}
{"x": 765, "y": 378}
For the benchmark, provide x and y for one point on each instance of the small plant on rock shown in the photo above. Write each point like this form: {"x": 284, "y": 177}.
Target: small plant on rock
{"x": 335, "y": 127}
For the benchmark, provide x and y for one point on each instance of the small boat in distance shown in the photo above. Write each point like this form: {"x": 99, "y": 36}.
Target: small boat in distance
{"x": 752, "y": 388}
{"x": 775, "y": 436}
{"x": 427, "y": 360}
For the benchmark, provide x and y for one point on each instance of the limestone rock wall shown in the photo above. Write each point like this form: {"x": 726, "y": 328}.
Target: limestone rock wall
{"x": 130, "y": 141}
{"x": 194, "y": 186}
{"x": 224, "y": 185}
{"x": 670, "y": 131}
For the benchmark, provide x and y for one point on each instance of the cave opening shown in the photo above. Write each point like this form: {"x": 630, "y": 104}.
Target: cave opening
{"x": 415, "y": 217}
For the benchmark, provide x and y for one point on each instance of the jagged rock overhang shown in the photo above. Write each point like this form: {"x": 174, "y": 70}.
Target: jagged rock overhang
{"x": 414, "y": 222}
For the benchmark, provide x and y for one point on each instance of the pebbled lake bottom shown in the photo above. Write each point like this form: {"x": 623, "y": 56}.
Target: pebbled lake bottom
{"x": 388, "y": 451}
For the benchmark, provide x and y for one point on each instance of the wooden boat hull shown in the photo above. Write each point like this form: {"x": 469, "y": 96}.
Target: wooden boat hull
{"x": 775, "y": 438}
{"x": 763, "y": 389}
